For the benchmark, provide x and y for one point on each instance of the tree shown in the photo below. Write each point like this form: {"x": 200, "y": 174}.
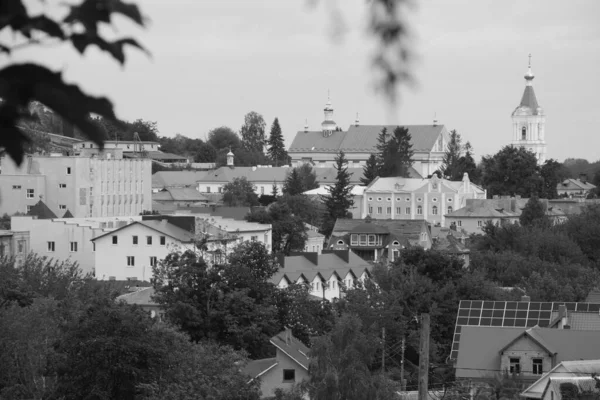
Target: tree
{"x": 466, "y": 164}
{"x": 205, "y": 154}
{"x": 451, "y": 161}
{"x": 553, "y": 174}
{"x": 405, "y": 151}
{"x": 224, "y": 138}
{"x": 370, "y": 170}
{"x": 240, "y": 193}
{"x": 534, "y": 213}
{"x": 276, "y": 147}
{"x": 23, "y": 83}
{"x": 340, "y": 199}
{"x": 395, "y": 158}
{"x": 512, "y": 171}
{"x": 253, "y": 132}
{"x": 299, "y": 180}
{"x": 289, "y": 232}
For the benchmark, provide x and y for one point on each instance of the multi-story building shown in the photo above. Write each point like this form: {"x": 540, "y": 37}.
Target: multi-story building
{"x": 128, "y": 149}
{"x": 14, "y": 244}
{"x": 320, "y": 148}
{"x": 86, "y": 186}
{"x": 426, "y": 199}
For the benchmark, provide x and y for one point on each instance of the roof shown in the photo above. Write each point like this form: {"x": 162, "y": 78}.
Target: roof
{"x": 575, "y": 184}
{"x": 400, "y": 184}
{"x": 563, "y": 369}
{"x": 41, "y": 211}
{"x": 368, "y": 227}
{"x": 586, "y": 384}
{"x": 593, "y": 296}
{"x": 529, "y": 100}
{"x": 68, "y": 214}
{"x": 480, "y": 347}
{"x": 309, "y": 265}
{"x": 292, "y": 347}
{"x": 256, "y": 368}
{"x": 179, "y": 194}
{"x": 357, "y": 190}
{"x": 161, "y": 226}
{"x": 6, "y": 233}
{"x": 237, "y": 213}
{"x": 141, "y": 297}
{"x": 163, "y": 179}
{"x": 446, "y": 242}
{"x": 409, "y": 229}
{"x": 159, "y": 155}
{"x": 482, "y": 211}
{"x": 363, "y": 138}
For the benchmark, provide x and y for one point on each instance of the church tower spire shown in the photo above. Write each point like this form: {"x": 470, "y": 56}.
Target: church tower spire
{"x": 328, "y": 125}
{"x": 529, "y": 121}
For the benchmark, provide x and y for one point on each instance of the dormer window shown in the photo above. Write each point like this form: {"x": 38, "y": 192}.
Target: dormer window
{"x": 396, "y": 243}
{"x": 523, "y": 133}
{"x": 340, "y": 242}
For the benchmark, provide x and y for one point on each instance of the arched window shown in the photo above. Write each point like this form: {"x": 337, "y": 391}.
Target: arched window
{"x": 523, "y": 133}
{"x": 419, "y": 210}
{"x": 340, "y": 242}
{"x": 434, "y": 210}
{"x": 449, "y": 209}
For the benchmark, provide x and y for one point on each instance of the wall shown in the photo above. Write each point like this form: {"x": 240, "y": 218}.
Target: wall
{"x": 13, "y": 192}
{"x": 274, "y": 378}
{"x": 14, "y": 244}
{"x": 111, "y": 260}
{"x": 217, "y": 187}
{"x": 526, "y": 350}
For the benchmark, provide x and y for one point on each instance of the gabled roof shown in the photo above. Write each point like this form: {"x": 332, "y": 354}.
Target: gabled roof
{"x": 357, "y": 190}
{"x": 575, "y": 184}
{"x": 363, "y": 138}
{"x": 41, "y": 211}
{"x": 68, "y": 214}
{"x": 593, "y": 296}
{"x": 563, "y": 369}
{"x": 584, "y": 384}
{"x": 141, "y": 297}
{"x": 483, "y": 211}
{"x": 399, "y": 229}
{"x": 256, "y": 368}
{"x": 179, "y": 194}
{"x": 163, "y": 179}
{"x": 446, "y": 242}
{"x": 160, "y": 226}
{"x": 292, "y": 347}
{"x": 533, "y": 335}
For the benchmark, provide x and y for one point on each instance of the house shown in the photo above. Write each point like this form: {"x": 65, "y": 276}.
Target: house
{"x": 131, "y": 251}
{"x": 407, "y": 198}
{"x": 14, "y": 244}
{"x": 287, "y": 368}
{"x": 86, "y": 186}
{"x": 376, "y": 239}
{"x": 142, "y": 297}
{"x": 526, "y": 352}
{"x": 357, "y": 196}
{"x": 451, "y": 242}
{"x": 575, "y": 187}
{"x": 500, "y": 210}
{"x": 586, "y": 388}
{"x": 320, "y": 147}
{"x": 179, "y": 197}
{"x": 564, "y": 371}
{"x": 325, "y": 274}
{"x": 315, "y": 242}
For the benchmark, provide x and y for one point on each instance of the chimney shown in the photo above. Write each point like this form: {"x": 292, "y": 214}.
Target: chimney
{"x": 526, "y": 298}
{"x": 288, "y": 336}
{"x": 562, "y": 314}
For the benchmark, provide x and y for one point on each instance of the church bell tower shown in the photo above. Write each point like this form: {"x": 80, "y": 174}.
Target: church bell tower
{"x": 529, "y": 121}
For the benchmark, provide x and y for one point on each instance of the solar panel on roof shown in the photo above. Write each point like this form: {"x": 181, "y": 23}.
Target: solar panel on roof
{"x": 510, "y": 314}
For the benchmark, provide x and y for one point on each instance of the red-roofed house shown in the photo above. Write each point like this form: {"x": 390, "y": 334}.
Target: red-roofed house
{"x": 289, "y": 367}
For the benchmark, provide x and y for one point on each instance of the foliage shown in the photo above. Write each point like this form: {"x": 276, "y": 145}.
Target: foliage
{"x": 5, "y": 222}
{"x": 233, "y": 304}
{"x": 276, "y": 146}
{"x": 224, "y": 138}
{"x": 467, "y": 165}
{"x": 309, "y": 208}
{"x": 534, "y": 213}
{"x": 240, "y": 193}
{"x": 340, "y": 364}
{"x": 188, "y": 147}
{"x": 340, "y": 199}
{"x": 584, "y": 229}
{"x": 370, "y": 170}
{"x": 124, "y": 130}
{"x": 512, "y": 171}
{"x": 553, "y": 174}
{"x": 253, "y": 132}
{"x": 21, "y": 84}
{"x": 451, "y": 161}
{"x": 395, "y": 157}
{"x": 288, "y": 234}
{"x": 299, "y": 180}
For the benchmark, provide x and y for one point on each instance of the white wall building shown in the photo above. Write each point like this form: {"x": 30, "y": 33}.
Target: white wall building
{"x": 529, "y": 121}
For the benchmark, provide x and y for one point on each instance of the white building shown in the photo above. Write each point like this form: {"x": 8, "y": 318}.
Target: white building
{"x": 529, "y": 121}
{"x": 315, "y": 242}
{"x": 85, "y": 186}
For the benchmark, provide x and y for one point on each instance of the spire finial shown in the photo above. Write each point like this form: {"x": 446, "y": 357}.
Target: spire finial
{"x": 529, "y": 60}
{"x": 356, "y": 121}
{"x": 435, "y": 121}
{"x": 306, "y": 125}
{"x": 529, "y": 75}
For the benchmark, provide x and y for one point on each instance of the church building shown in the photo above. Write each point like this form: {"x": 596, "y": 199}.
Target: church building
{"x": 529, "y": 121}
{"x": 320, "y": 148}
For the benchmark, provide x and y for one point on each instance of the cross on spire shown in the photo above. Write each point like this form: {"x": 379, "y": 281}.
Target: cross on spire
{"x": 529, "y": 60}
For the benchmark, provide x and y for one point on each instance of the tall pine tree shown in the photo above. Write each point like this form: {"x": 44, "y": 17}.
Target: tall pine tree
{"x": 395, "y": 154}
{"x": 404, "y": 150}
{"x": 451, "y": 161}
{"x": 276, "y": 149}
{"x": 370, "y": 170}
{"x": 339, "y": 201}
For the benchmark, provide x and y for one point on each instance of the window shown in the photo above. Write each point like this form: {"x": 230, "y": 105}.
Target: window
{"x": 73, "y": 247}
{"x": 419, "y": 210}
{"x": 62, "y": 207}
{"x": 370, "y": 199}
{"x": 153, "y": 261}
{"x": 262, "y": 190}
{"x": 289, "y": 375}
{"x": 354, "y": 239}
{"x": 134, "y": 239}
{"x": 449, "y": 199}
{"x": 407, "y": 210}
{"x": 434, "y": 210}
{"x": 149, "y": 240}
{"x": 419, "y": 199}
{"x": 435, "y": 199}
{"x": 208, "y": 189}
{"x": 459, "y": 223}
{"x": 423, "y": 237}
{"x": 398, "y": 199}
{"x": 398, "y": 210}
{"x": 163, "y": 240}
{"x": 16, "y": 187}
{"x": 254, "y": 238}
{"x": 362, "y": 240}
{"x": 130, "y": 261}
{"x": 407, "y": 199}
{"x": 396, "y": 243}
{"x": 29, "y": 209}
{"x": 515, "y": 365}
{"x": 68, "y": 170}
{"x": 51, "y": 246}
{"x": 523, "y": 133}
{"x": 220, "y": 189}
{"x": 30, "y": 193}
{"x": 379, "y": 210}
{"x": 93, "y": 246}
{"x": 340, "y": 242}
{"x": 370, "y": 209}
{"x": 379, "y": 199}
{"x": 538, "y": 368}
{"x": 480, "y": 223}
{"x": 449, "y": 209}
{"x": 389, "y": 199}
{"x": 62, "y": 185}
{"x": 115, "y": 240}
{"x": 21, "y": 246}
{"x": 389, "y": 210}
{"x": 372, "y": 240}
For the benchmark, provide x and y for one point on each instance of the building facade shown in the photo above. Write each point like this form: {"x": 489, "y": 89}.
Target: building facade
{"x": 86, "y": 186}
{"x": 14, "y": 244}
{"x": 426, "y": 199}
{"x": 529, "y": 121}
{"x": 320, "y": 148}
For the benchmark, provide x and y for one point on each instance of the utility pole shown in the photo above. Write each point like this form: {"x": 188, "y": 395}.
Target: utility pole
{"x": 383, "y": 349}
{"x": 403, "y": 348}
{"x": 424, "y": 358}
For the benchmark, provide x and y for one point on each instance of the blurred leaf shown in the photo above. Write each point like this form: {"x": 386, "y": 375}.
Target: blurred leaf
{"x": 81, "y": 42}
{"x": 46, "y": 25}
{"x": 4, "y": 49}
{"x": 12, "y": 138}
{"x": 9, "y": 9}
{"x": 129, "y": 10}
{"x": 91, "y": 12}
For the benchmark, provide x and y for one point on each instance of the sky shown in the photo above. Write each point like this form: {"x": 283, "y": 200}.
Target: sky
{"x": 212, "y": 61}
